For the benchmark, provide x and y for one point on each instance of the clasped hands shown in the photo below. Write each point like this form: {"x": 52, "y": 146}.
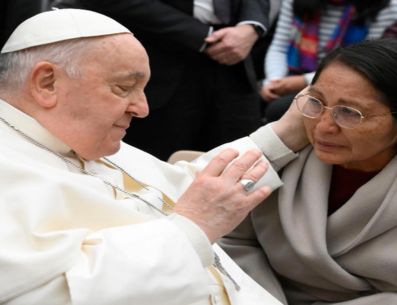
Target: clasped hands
{"x": 276, "y": 88}
{"x": 230, "y": 45}
{"x": 216, "y": 200}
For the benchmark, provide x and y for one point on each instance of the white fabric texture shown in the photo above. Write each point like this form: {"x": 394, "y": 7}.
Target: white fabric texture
{"x": 66, "y": 239}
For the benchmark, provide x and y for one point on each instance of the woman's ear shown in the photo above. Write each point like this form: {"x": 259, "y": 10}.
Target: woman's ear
{"x": 42, "y": 84}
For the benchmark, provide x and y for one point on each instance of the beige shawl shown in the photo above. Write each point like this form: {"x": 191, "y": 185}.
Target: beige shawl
{"x": 348, "y": 258}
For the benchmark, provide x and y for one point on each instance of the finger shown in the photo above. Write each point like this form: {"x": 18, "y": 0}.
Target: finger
{"x": 268, "y": 98}
{"x": 219, "y": 48}
{"x": 258, "y": 196}
{"x": 272, "y": 96}
{"x": 228, "y": 61}
{"x": 218, "y": 164}
{"x": 252, "y": 176}
{"x": 233, "y": 61}
{"x": 215, "y": 36}
{"x": 257, "y": 171}
{"x": 275, "y": 82}
{"x": 216, "y": 51}
{"x": 223, "y": 58}
{"x": 239, "y": 167}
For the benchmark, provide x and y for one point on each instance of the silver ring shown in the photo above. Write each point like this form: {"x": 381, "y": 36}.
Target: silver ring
{"x": 247, "y": 184}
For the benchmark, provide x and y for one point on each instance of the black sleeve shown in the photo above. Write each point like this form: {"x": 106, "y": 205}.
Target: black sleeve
{"x": 166, "y": 25}
{"x": 255, "y": 10}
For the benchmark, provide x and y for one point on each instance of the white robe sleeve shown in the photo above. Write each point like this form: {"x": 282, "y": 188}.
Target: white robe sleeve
{"x": 147, "y": 263}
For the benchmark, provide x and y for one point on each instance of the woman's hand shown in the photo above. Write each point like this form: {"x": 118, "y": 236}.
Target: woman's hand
{"x": 283, "y": 86}
{"x": 290, "y": 128}
{"x": 268, "y": 91}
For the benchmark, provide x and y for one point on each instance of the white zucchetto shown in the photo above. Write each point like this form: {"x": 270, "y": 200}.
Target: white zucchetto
{"x": 59, "y": 25}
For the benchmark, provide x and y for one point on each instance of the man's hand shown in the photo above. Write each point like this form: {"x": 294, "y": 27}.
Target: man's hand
{"x": 215, "y": 200}
{"x": 230, "y": 45}
{"x": 290, "y": 128}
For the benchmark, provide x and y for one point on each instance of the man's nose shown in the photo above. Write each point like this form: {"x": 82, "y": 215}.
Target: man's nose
{"x": 139, "y": 106}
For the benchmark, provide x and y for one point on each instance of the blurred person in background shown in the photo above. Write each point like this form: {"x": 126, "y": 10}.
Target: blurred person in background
{"x": 308, "y": 30}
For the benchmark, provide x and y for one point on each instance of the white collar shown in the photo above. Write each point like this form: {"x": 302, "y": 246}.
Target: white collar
{"x": 32, "y": 128}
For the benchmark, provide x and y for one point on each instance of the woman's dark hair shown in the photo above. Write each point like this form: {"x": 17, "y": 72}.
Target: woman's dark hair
{"x": 376, "y": 60}
{"x": 366, "y": 9}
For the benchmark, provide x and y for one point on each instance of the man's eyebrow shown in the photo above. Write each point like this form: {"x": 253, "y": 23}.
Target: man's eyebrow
{"x": 137, "y": 74}
{"x": 131, "y": 75}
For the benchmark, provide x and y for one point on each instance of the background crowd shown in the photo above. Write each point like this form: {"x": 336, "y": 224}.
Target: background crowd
{"x": 218, "y": 71}
{"x": 207, "y": 89}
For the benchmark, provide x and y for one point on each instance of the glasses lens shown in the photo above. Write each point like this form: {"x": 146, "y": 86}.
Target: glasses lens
{"x": 346, "y": 117}
{"x": 309, "y": 106}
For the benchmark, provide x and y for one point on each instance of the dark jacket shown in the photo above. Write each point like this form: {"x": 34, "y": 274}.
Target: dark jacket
{"x": 171, "y": 35}
{"x": 13, "y": 12}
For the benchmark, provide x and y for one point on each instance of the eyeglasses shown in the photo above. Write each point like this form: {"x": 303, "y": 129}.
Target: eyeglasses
{"x": 344, "y": 116}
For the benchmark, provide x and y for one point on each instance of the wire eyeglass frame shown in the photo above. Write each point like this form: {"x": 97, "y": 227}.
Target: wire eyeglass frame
{"x": 339, "y": 113}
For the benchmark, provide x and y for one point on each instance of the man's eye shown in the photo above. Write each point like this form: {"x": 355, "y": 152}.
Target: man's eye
{"x": 122, "y": 90}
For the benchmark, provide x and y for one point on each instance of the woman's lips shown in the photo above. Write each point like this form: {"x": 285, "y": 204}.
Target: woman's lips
{"x": 326, "y": 145}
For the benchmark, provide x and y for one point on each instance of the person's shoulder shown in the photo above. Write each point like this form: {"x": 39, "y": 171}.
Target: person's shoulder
{"x": 392, "y": 6}
{"x": 126, "y": 148}
{"x": 128, "y": 153}
{"x": 388, "y": 14}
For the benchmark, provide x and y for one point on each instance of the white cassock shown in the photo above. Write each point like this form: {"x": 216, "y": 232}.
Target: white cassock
{"x": 68, "y": 238}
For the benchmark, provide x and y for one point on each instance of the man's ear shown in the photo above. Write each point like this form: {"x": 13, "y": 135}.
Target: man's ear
{"x": 42, "y": 84}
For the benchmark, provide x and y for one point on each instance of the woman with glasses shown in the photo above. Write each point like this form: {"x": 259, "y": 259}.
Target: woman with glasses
{"x": 306, "y": 31}
{"x": 329, "y": 234}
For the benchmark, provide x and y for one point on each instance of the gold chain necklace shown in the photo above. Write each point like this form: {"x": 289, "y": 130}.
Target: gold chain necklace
{"x": 217, "y": 261}
{"x": 86, "y": 172}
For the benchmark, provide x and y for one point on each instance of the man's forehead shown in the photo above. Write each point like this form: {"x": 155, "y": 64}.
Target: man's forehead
{"x": 59, "y": 25}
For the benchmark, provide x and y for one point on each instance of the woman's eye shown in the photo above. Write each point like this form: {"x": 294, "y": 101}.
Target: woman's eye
{"x": 348, "y": 111}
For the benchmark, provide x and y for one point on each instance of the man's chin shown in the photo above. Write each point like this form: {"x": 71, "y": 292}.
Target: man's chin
{"x": 114, "y": 148}
{"x": 109, "y": 150}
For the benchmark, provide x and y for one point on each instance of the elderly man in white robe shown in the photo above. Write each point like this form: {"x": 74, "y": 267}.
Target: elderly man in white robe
{"x": 86, "y": 219}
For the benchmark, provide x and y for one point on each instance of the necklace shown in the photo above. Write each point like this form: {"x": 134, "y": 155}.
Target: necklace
{"x": 86, "y": 172}
{"x": 170, "y": 206}
{"x": 217, "y": 262}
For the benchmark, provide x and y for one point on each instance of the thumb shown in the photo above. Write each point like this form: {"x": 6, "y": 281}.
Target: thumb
{"x": 214, "y": 37}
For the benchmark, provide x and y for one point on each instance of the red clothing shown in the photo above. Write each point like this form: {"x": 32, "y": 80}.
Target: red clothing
{"x": 344, "y": 183}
